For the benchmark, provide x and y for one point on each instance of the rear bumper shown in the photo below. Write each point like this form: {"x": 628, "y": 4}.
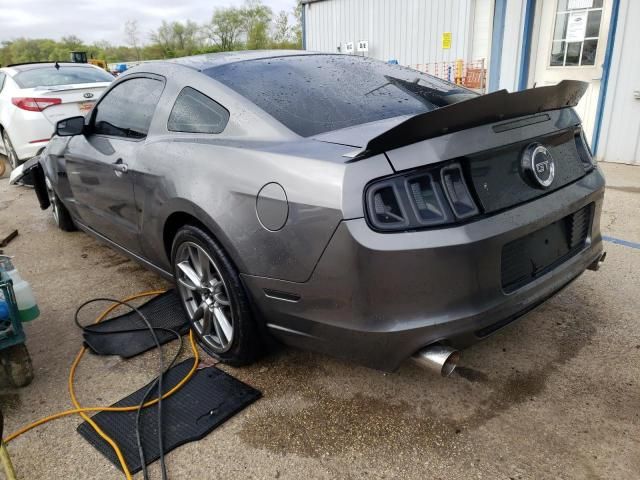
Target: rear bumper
{"x": 30, "y": 150}
{"x": 377, "y": 298}
{"x": 29, "y": 133}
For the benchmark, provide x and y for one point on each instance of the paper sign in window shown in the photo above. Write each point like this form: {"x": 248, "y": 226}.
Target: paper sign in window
{"x": 576, "y": 26}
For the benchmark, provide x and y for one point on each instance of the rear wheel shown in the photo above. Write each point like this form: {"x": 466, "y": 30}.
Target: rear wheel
{"x": 61, "y": 215}
{"x": 12, "y": 156}
{"x": 213, "y": 297}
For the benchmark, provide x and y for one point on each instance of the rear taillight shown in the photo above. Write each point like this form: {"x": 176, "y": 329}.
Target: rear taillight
{"x": 32, "y": 104}
{"x": 586, "y": 156}
{"x": 386, "y": 209}
{"x": 457, "y": 192}
{"x": 424, "y": 198}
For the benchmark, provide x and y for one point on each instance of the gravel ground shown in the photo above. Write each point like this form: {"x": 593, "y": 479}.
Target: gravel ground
{"x": 556, "y": 395}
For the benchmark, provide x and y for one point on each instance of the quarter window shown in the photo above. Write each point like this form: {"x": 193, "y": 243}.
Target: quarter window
{"x": 194, "y": 112}
{"x": 575, "y": 36}
{"x": 127, "y": 110}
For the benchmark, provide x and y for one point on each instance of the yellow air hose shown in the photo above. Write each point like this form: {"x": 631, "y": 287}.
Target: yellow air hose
{"x": 83, "y": 410}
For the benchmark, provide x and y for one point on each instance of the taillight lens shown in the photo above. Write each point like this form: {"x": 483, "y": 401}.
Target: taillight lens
{"x": 386, "y": 210}
{"x": 33, "y": 104}
{"x": 586, "y": 156}
{"x": 428, "y": 204}
{"x": 457, "y": 192}
{"x": 432, "y": 197}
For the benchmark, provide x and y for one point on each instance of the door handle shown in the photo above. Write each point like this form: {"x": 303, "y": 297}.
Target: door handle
{"x": 120, "y": 167}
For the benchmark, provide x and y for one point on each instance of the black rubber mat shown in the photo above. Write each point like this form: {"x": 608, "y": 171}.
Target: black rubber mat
{"x": 164, "y": 311}
{"x": 206, "y": 401}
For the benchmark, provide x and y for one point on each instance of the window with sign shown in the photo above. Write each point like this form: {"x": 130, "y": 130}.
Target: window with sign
{"x": 575, "y": 36}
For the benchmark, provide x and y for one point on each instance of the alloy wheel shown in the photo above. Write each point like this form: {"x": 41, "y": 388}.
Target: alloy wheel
{"x": 52, "y": 201}
{"x": 205, "y": 296}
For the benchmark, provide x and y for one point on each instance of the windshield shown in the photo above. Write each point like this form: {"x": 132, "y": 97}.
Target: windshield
{"x": 65, "y": 75}
{"x": 312, "y": 94}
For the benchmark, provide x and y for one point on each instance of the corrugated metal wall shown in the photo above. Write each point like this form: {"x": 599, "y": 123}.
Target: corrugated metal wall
{"x": 482, "y": 24}
{"x": 620, "y": 134}
{"x": 409, "y": 31}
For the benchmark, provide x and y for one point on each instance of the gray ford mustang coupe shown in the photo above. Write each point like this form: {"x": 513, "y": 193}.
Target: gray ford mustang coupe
{"x": 334, "y": 202}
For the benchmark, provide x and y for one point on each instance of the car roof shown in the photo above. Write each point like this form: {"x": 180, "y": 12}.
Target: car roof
{"x": 15, "y": 68}
{"x": 211, "y": 60}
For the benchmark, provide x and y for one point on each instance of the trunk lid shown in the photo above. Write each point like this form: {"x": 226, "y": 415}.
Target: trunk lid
{"x": 77, "y": 99}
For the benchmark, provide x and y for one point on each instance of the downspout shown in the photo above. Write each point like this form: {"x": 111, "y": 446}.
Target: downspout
{"x": 525, "y": 55}
{"x": 606, "y": 67}
{"x": 497, "y": 39}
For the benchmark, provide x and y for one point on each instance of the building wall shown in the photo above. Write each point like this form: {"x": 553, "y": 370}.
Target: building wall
{"x": 409, "y": 31}
{"x": 512, "y": 45}
{"x": 620, "y": 132}
{"x": 482, "y": 24}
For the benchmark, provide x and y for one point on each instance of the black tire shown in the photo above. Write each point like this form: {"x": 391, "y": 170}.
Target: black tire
{"x": 17, "y": 365}
{"x": 61, "y": 215}
{"x": 12, "y": 156}
{"x": 245, "y": 346}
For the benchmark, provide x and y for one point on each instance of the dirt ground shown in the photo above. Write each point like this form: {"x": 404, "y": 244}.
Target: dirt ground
{"x": 555, "y": 395}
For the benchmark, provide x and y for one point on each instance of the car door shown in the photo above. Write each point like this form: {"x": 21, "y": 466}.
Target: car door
{"x": 100, "y": 164}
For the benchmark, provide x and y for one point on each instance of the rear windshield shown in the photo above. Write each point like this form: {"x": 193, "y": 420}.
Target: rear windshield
{"x": 65, "y": 75}
{"x": 312, "y": 94}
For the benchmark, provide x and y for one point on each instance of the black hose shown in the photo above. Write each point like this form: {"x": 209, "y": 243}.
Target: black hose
{"x": 157, "y": 381}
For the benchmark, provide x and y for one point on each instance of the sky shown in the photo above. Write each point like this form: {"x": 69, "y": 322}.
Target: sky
{"x": 93, "y": 20}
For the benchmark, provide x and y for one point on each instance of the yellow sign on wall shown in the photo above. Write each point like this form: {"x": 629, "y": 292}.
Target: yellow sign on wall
{"x": 446, "y": 40}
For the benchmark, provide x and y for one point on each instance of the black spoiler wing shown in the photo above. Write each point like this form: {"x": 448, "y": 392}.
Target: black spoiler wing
{"x": 493, "y": 107}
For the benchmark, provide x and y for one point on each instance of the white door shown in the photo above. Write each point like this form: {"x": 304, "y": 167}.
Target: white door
{"x": 572, "y": 37}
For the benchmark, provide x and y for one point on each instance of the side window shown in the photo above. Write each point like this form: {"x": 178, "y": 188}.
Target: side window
{"x": 2, "y": 77}
{"x": 194, "y": 112}
{"x": 127, "y": 110}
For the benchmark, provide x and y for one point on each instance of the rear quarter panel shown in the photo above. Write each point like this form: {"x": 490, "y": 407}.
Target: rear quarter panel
{"x": 218, "y": 185}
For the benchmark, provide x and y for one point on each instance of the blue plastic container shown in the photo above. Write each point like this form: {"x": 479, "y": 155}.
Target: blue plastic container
{"x": 4, "y": 311}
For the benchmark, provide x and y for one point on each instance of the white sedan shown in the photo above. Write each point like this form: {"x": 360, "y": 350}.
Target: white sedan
{"x": 34, "y": 96}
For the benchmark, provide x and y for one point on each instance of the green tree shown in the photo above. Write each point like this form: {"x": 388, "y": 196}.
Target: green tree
{"x": 177, "y": 39}
{"x": 250, "y": 26}
{"x": 71, "y": 42}
{"x": 297, "y": 27}
{"x": 281, "y": 28}
{"x": 225, "y": 28}
{"x": 132, "y": 35}
{"x": 257, "y": 18}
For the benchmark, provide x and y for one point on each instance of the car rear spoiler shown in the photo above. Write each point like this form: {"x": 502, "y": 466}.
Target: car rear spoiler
{"x": 490, "y": 108}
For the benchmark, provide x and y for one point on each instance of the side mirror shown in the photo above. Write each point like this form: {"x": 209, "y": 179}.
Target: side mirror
{"x": 70, "y": 126}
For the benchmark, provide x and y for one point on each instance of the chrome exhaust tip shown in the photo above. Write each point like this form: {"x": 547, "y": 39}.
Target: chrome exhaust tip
{"x": 438, "y": 359}
{"x": 595, "y": 266}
